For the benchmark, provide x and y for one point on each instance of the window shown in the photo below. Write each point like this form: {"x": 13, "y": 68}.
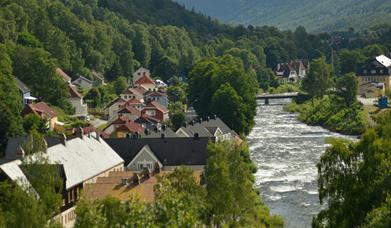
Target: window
{"x": 365, "y": 71}
{"x": 373, "y": 71}
{"x": 144, "y": 164}
{"x": 381, "y": 71}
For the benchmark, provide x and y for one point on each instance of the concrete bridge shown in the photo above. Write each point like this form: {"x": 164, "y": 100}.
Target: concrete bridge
{"x": 268, "y": 97}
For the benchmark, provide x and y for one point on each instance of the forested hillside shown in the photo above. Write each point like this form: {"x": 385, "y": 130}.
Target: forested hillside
{"x": 315, "y": 15}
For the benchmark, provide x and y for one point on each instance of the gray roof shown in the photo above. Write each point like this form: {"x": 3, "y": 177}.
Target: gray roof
{"x": 169, "y": 151}
{"x": 21, "y": 86}
{"x": 167, "y": 133}
{"x": 82, "y": 158}
{"x": 206, "y": 128}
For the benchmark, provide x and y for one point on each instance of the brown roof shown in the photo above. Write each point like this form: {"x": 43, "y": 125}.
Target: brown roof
{"x": 111, "y": 186}
{"x": 73, "y": 93}
{"x": 131, "y": 127}
{"x": 131, "y": 110}
{"x": 89, "y": 129}
{"x": 117, "y": 100}
{"x": 64, "y": 76}
{"x": 156, "y": 105}
{"x": 41, "y": 109}
{"x": 133, "y": 101}
{"x": 144, "y": 80}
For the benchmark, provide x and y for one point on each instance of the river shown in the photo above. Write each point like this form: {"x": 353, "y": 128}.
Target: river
{"x": 286, "y": 152}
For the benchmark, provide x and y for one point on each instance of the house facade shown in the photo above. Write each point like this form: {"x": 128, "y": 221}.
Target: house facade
{"x": 155, "y": 110}
{"x": 77, "y": 102}
{"x": 374, "y": 76}
{"x": 82, "y": 160}
{"x": 112, "y": 109}
{"x": 292, "y": 71}
{"x": 140, "y": 73}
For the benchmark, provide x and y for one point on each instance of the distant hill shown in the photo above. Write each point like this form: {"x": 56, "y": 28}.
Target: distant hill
{"x": 315, "y": 15}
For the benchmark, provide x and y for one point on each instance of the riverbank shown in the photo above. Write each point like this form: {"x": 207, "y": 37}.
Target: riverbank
{"x": 327, "y": 114}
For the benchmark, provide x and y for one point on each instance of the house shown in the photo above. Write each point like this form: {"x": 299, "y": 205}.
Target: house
{"x": 133, "y": 103}
{"x": 111, "y": 109}
{"x": 77, "y": 102}
{"x": 165, "y": 153}
{"x": 145, "y": 82}
{"x": 376, "y": 71}
{"x": 129, "y": 130}
{"x": 130, "y": 112}
{"x": 292, "y": 71}
{"x": 65, "y": 77}
{"x": 99, "y": 79}
{"x": 211, "y": 127}
{"x": 133, "y": 93}
{"x": 140, "y": 73}
{"x": 80, "y": 160}
{"x": 83, "y": 83}
{"x": 156, "y": 111}
{"x": 123, "y": 127}
{"x": 42, "y": 110}
{"x": 25, "y": 92}
{"x": 157, "y": 96}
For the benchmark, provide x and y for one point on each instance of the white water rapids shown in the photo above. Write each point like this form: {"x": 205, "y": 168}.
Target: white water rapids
{"x": 286, "y": 152}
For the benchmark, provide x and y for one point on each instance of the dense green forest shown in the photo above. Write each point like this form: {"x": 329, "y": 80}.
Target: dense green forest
{"x": 315, "y": 15}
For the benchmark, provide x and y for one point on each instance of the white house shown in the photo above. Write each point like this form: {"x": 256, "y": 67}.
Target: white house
{"x": 83, "y": 83}
{"x": 139, "y": 73}
{"x": 82, "y": 159}
{"x": 76, "y": 99}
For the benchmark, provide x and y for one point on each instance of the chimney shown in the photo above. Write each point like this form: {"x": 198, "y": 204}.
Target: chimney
{"x": 80, "y": 132}
{"x": 196, "y": 136}
{"x": 163, "y": 127}
{"x": 63, "y": 139}
{"x": 200, "y": 120}
{"x": 208, "y": 118}
{"x": 215, "y": 117}
{"x": 163, "y": 136}
{"x": 192, "y": 123}
{"x": 20, "y": 152}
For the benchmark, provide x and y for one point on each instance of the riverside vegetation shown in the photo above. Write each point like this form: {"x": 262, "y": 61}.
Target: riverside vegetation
{"x": 335, "y": 109}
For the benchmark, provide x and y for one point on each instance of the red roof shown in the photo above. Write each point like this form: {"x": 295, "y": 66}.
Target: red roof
{"x": 131, "y": 110}
{"x": 64, "y": 76}
{"x": 157, "y": 106}
{"x": 73, "y": 92}
{"x": 140, "y": 89}
{"x": 131, "y": 127}
{"x": 144, "y": 80}
{"x": 121, "y": 120}
{"x": 148, "y": 118}
{"x": 41, "y": 109}
{"x": 133, "y": 101}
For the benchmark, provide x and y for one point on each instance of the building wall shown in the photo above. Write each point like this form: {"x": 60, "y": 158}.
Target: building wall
{"x": 81, "y": 109}
{"x": 386, "y": 79}
{"x": 67, "y": 218}
{"x": 119, "y": 167}
{"x": 52, "y": 123}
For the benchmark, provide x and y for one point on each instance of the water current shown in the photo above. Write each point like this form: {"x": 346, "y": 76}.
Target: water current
{"x": 286, "y": 152}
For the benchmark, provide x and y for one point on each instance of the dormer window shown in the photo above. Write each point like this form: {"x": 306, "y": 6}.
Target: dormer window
{"x": 365, "y": 71}
{"x": 373, "y": 71}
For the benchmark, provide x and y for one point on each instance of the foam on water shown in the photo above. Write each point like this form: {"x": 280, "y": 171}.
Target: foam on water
{"x": 286, "y": 152}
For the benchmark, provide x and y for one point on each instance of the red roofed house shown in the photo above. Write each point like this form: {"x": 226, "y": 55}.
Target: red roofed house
{"x": 76, "y": 99}
{"x": 146, "y": 82}
{"x": 139, "y": 73}
{"x": 122, "y": 127}
{"x": 132, "y": 93}
{"x": 129, "y": 128}
{"x": 42, "y": 110}
{"x": 134, "y": 103}
{"x": 130, "y": 112}
{"x": 156, "y": 110}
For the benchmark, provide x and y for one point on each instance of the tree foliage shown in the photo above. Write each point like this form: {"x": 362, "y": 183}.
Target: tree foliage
{"x": 354, "y": 180}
